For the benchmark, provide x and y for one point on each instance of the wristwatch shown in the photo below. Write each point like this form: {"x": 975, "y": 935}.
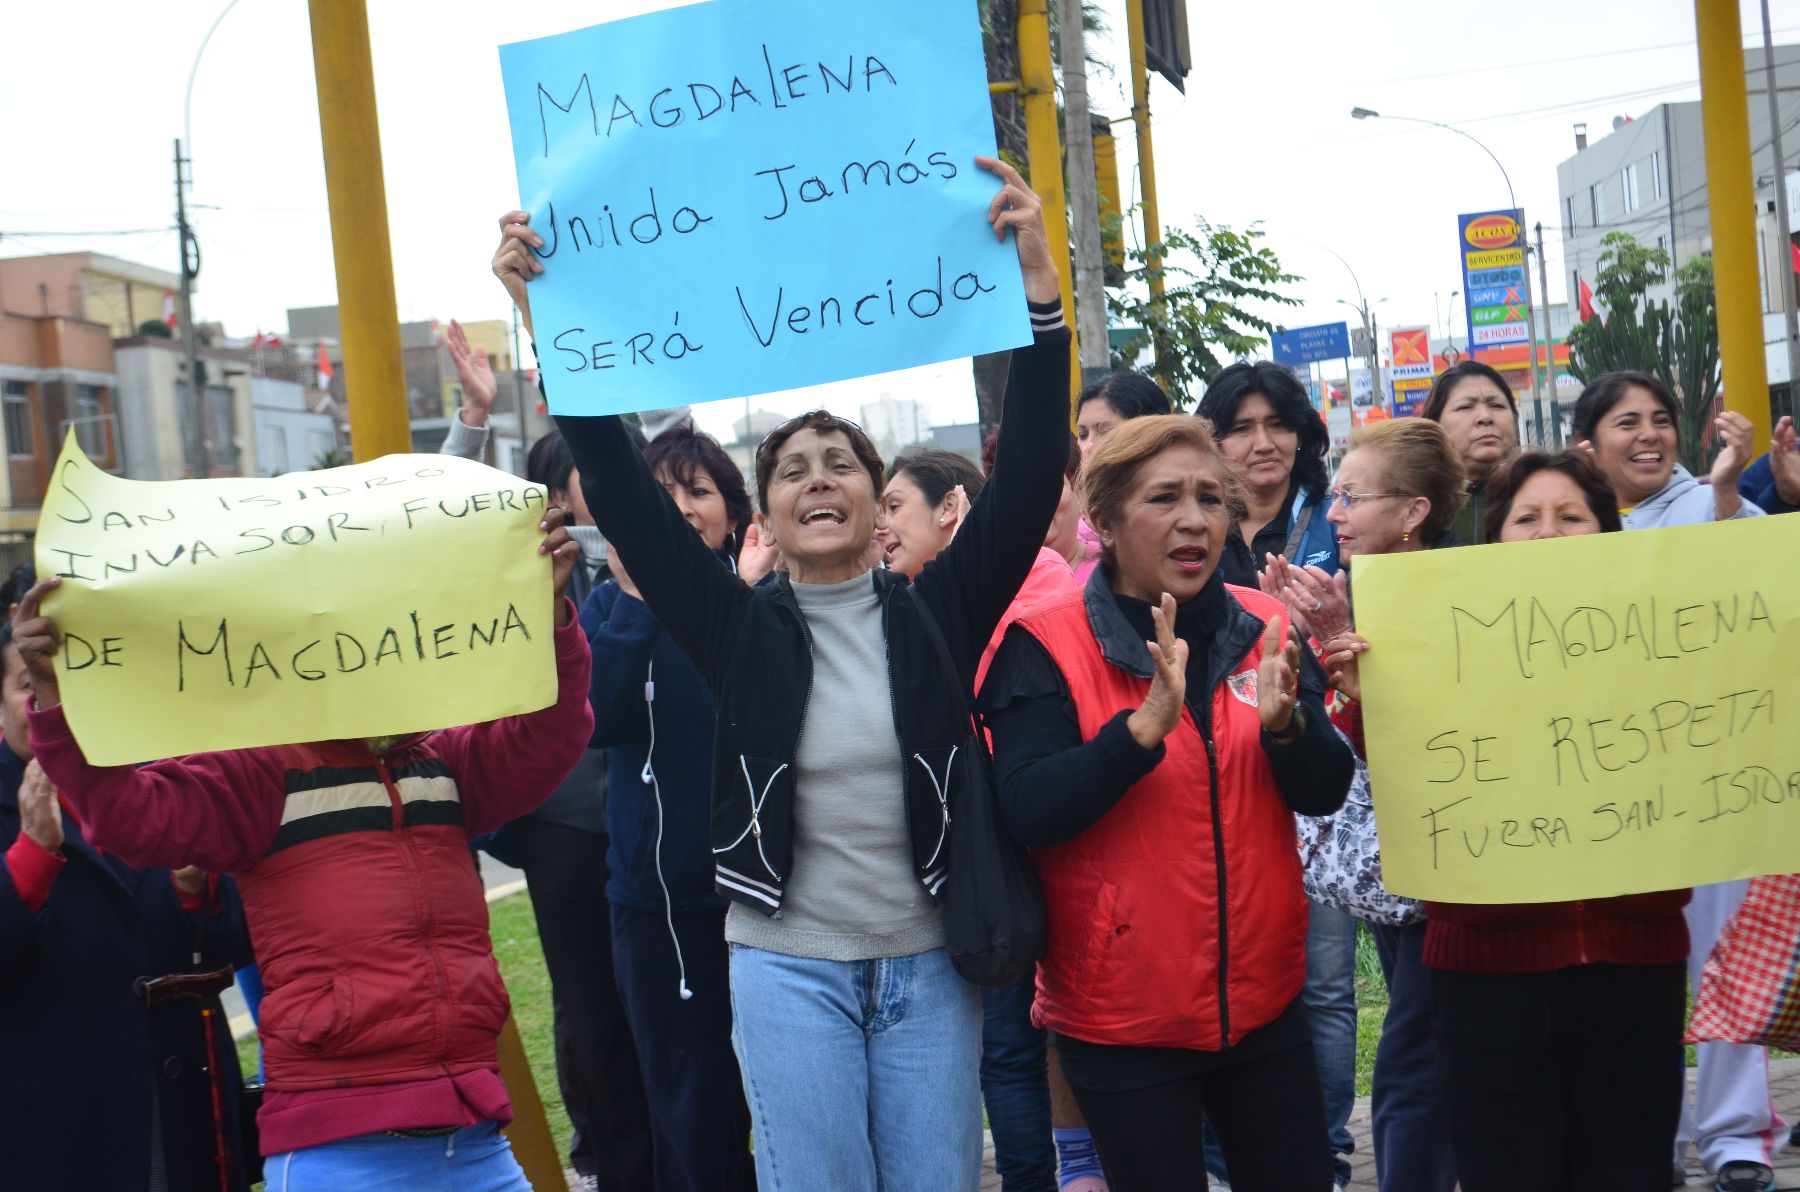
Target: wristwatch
{"x": 1295, "y": 730}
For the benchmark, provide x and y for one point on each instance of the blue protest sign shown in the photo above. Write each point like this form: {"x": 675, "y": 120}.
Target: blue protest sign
{"x": 1299, "y": 346}
{"x": 743, "y": 196}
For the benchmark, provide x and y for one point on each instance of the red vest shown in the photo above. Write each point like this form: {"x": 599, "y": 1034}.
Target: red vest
{"x": 370, "y": 924}
{"x": 1178, "y": 919}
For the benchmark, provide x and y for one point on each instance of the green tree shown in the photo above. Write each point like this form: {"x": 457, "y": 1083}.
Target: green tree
{"x": 331, "y": 457}
{"x": 155, "y": 327}
{"x": 1633, "y": 332}
{"x": 1677, "y": 342}
{"x": 1693, "y": 342}
{"x": 1216, "y": 280}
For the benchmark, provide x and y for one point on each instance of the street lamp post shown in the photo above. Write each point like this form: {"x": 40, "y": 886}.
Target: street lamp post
{"x": 1361, "y": 113}
{"x": 1366, "y": 311}
{"x": 200, "y": 411}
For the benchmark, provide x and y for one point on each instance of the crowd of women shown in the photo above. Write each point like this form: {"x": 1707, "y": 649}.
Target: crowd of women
{"x": 736, "y": 826}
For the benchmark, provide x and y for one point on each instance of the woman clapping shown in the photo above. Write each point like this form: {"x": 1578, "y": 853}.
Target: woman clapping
{"x": 1154, "y": 737}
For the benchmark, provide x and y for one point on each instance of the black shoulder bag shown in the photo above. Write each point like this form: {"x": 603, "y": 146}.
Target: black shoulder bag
{"x": 994, "y": 916}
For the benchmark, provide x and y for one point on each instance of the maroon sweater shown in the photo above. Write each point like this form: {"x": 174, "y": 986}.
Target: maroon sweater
{"x": 1536, "y": 937}
{"x": 383, "y": 1002}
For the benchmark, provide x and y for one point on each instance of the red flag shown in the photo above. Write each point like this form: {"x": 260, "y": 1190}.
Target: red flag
{"x": 258, "y": 341}
{"x": 1587, "y": 301}
{"x": 169, "y": 308}
{"x": 1794, "y": 256}
{"x": 325, "y": 369}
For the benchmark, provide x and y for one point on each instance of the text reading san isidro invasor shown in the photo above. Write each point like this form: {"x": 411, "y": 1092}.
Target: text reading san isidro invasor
{"x": 289, "y": 521}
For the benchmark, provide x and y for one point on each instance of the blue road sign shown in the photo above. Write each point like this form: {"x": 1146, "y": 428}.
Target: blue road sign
{"x": 1308, "y": 345}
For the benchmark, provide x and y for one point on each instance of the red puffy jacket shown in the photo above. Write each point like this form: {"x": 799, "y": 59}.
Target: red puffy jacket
{"x": 1178, "y": 919}
{"x": 365, "y": 907}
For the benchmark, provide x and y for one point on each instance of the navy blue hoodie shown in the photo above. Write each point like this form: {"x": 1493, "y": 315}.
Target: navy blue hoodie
{"x": 629, "y": 647}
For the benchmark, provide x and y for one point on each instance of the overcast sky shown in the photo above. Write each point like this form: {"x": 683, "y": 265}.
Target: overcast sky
{"x": 92, "y": 97}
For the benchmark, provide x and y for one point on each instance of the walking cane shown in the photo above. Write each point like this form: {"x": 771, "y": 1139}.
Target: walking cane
{"x": 205, "y": 989}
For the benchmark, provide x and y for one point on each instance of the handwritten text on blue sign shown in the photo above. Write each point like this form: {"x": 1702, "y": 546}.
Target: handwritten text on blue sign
{"x": 743, "y": 196}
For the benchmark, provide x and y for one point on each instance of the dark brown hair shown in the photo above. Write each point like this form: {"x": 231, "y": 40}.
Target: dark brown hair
{"x": 1130, "y": 394}
{"x": 683, "y": 451}
{"x": 824, "y": 422}
{"x": 1417, "y": 460}
{"x": 1609, "y": 389}
{"x": 1455, "y": 375}
{"x": 936, "y": 472}
{"x": 1503, "y": 488}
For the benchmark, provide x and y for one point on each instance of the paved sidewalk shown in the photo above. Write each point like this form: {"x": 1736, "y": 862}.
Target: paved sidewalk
{"x": 1784, "y": 1085}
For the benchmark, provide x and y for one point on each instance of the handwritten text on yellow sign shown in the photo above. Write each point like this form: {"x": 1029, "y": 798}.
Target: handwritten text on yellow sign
{"x": 384, "y": 598}
{"x": 1585, "y": 717}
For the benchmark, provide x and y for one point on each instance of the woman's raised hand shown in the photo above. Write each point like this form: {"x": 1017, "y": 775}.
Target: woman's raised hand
{"x": 1278, "y": 677}
{"x": 1340, "y": 657}
{"x": 1735, "y": 453}
{"x": 1018, "y": 208}
{"x": 1318, "y": 602}
{"x": 1160, "y": 712}
{"x": 514, "y": 262}
{"x": 476, "y": 375}
{"x": 40, "y": 817}
{"x": 759, "y": 556}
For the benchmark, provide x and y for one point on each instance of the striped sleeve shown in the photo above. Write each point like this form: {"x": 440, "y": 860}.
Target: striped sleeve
{"x": 1045, "y": 316}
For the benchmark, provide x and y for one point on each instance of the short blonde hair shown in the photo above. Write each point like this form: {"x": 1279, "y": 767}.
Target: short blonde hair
{"x": 1416, "y": 459}
{"x": 1111, "y": 472}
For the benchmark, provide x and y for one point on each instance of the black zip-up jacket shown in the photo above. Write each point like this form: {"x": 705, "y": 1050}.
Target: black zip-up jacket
{"x": 754, "y": 651}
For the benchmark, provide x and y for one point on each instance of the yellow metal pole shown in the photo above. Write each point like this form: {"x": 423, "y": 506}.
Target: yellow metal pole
{"x": 1140, "y": 115}
{"x": 532, "y": 1143}
{"x": 1725, "y": 119}
{"x": 1037, "y": 92}
{"x": 369, "y": 327}
{"x": 1112, "y": 209}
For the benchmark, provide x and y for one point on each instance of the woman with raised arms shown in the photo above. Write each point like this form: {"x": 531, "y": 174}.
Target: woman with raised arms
{"x": 859, "y": 1043}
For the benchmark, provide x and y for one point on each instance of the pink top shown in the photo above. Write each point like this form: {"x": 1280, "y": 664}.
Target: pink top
{"x": 1090, "y": 551}
{"x": 1048, "y": 579}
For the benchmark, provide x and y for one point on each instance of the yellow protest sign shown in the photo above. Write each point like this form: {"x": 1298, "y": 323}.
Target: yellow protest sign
{"x": 1584, "y": 717}
{"x": 388, "y": 597}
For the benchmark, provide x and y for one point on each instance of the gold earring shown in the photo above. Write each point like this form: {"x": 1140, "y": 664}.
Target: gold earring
{"x": 1406, "y": 535}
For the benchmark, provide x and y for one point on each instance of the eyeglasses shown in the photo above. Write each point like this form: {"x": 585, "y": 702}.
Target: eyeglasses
{"x": 1349, "y": 499}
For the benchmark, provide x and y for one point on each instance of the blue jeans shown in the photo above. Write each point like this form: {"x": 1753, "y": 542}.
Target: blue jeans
{"x": 860, "y": 1074}
{"x": 1330, "y": 1000}
{"x": 474, "y": 1159}
{"x": 1015, "y": 1083}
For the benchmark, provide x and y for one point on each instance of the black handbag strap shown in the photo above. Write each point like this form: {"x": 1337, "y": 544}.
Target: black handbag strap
{"x": 1297, "y": 533}
{"x": 949, "y": 662}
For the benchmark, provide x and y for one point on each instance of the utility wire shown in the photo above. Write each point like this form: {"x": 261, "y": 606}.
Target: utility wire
{"x": 1469, "y": 70}
{"x": 108, "y": 232}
